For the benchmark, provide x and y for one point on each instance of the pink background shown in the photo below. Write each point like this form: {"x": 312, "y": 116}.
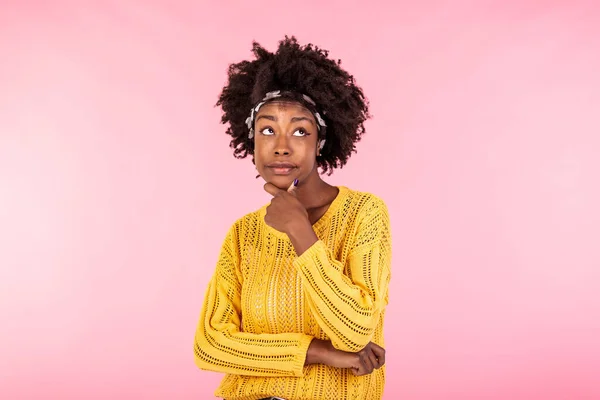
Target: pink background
{"x": 117, "y": 187}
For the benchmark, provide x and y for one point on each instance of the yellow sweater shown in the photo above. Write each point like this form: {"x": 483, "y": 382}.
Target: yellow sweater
{"x": 264, "y": 304}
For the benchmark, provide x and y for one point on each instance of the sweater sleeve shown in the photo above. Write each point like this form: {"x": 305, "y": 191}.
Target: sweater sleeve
{"x": 219, "y": 343}
{"x": 347, "y": 300}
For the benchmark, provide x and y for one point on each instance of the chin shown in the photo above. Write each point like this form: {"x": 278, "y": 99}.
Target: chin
{"x": 283, "y": 182}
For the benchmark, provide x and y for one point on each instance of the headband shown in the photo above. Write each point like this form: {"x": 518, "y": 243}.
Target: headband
{"x": 303, "y": 99}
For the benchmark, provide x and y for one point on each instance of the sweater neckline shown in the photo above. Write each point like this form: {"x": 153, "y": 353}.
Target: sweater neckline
{"x": 332, "y": 209}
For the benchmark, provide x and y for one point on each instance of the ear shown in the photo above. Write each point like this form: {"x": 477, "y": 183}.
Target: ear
{"x": 320, "y": 147}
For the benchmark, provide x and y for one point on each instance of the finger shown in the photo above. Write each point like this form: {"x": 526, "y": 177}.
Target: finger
{"x": 379, "y": 353}
{"x": 359, "y": 370}
{"x": 272, "y": 189}
{"x": 293, "y": 186}
{"x": 358, "y": 367}
{"x": 374, "y": 360}
{"x": 368, "y": 363}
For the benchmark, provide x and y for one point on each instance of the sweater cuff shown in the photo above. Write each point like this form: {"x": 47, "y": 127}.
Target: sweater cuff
{"x": 301, "y": 356}
{"x": 310, "y": 254}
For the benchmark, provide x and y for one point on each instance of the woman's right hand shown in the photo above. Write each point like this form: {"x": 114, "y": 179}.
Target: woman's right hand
{"x": 362, "y": 362}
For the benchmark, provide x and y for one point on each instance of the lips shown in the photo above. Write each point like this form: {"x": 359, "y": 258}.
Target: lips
{"x": 281, "y": 168}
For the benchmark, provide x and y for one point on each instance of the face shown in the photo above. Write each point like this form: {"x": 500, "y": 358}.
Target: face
{"x": 285, "y": 144}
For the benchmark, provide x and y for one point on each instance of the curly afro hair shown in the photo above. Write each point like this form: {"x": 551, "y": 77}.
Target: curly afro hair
{"x": 301, "y": 69}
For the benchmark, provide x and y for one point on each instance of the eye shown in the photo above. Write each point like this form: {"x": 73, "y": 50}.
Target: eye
{"x": 267, "y": 131}
{"x": 300, "y": 132}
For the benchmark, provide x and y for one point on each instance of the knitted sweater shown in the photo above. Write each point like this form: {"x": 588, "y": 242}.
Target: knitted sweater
{"x": 264, "y": 304}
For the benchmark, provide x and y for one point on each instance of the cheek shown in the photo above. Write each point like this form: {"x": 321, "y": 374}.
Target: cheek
{"x": 307, "y": 153}
{"x": 259, "y": 152}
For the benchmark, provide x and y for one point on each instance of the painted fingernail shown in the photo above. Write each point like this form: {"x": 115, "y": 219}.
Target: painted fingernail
{"x": 296, "y": 182}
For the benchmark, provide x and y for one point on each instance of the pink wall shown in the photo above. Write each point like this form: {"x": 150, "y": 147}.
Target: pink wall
{"x": 117, "y": 186}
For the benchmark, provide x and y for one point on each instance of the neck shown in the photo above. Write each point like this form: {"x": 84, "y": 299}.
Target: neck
{"x": 314, "y": 192}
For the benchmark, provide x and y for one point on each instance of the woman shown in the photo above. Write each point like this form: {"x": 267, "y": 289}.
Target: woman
{"x": 296, "y": 305}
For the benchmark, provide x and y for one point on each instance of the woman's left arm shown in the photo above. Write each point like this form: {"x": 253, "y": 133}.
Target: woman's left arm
{"x": 348, "y": 307}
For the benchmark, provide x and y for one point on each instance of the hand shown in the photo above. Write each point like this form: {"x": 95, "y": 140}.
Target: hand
{"x": 285, "y": 209}
{"x": 371, "y": 357}
{"x": 361, "y": 363}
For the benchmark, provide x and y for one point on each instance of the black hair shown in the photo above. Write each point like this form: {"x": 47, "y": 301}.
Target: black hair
{"x": 302, "y": 69}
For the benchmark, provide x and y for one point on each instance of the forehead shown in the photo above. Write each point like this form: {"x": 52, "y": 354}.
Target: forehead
{"x": 282, "y": 106}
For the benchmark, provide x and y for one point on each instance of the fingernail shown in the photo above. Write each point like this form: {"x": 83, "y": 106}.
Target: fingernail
{"x": 296, "y": 182}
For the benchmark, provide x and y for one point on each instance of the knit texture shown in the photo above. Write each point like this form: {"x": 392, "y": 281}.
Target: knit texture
{"x": 264, "y": 304}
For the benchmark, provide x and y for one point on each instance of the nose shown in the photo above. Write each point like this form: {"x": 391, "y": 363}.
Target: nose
{"x": 282, "y": 147}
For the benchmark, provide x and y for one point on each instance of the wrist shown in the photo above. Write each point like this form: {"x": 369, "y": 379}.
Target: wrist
{"x": 302, "y": 236}
{"x": 298, "y": 226}
{"x": 317, "y": 352}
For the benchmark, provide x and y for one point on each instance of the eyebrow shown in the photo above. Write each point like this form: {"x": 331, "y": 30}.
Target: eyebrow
{"x": 294, "y": 119}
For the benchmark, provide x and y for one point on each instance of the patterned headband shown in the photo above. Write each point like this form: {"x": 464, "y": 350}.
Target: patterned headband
{"x": 301, "y": 98}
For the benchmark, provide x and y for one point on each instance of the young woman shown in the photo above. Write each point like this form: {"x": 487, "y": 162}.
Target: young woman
{"x": 296, "y": 305}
